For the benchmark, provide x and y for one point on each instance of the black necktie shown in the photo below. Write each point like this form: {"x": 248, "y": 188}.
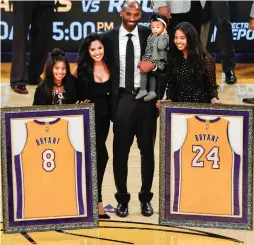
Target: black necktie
{"x": 129, "y": 66}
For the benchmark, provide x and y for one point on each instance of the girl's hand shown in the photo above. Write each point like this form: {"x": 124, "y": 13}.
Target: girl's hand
{"x": 215, "y": 101}
{"x": 82, "y": 101}
{"x": 158, "y": 104}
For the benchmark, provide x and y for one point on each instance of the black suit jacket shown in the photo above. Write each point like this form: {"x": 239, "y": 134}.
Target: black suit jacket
{"x": 111, "y": 42}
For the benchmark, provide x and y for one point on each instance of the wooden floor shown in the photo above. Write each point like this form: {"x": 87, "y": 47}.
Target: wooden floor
{"x": 116, "y": 231}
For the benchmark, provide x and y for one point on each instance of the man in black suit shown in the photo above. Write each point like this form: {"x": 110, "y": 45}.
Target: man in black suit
{"x": 38, "y": 14}
{"x": 124, "y": 47}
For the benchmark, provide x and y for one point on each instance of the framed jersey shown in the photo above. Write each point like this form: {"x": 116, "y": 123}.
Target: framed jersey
{"x": 206, "y": 165}
{"x": 48, "y": 168}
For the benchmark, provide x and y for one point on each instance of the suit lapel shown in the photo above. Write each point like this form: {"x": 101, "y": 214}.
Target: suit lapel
{"x": 142, "y": 41}
{"x": 116, "y": 46}
{"x": 114, "y": 57}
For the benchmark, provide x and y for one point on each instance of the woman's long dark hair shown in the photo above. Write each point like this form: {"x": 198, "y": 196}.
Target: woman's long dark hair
{"x": 47, "y": 84}
{"x": 85, "y": 62}
{"x": 196, "y": 54}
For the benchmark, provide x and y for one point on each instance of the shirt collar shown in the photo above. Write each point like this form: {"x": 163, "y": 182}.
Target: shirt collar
{"x": 123, "y": 32}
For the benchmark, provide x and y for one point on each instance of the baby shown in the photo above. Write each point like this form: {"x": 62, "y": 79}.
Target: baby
{"x": 156, "y": 51}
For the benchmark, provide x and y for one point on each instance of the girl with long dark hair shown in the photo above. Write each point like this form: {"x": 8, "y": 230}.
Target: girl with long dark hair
{"x": 94, "y": 86}
{"x": 58, "y": 86}
{"x": 191, "y": 71}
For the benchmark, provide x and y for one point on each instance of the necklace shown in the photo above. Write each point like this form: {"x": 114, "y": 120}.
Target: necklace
{"x": 59, "y": 86}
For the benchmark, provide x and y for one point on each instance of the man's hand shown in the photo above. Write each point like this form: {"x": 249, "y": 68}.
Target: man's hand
{"x": 251, "y": 24}
{"x": 146, "y": 66}
{"x": 165, "y": 11}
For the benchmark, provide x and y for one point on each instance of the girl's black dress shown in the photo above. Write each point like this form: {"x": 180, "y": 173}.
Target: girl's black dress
{"x": 184, "y": 88}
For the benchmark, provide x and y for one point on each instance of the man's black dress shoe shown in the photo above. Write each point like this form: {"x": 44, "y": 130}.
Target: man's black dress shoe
{"x": 230, "y": 77}
{"x": 122, "y": 210}
{"x": 20, "y": 89}
{"x": 146, "y": 209}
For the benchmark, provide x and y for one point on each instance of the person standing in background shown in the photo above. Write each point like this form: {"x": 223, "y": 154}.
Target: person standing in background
{"x": 37, "y": 14}
{"x": 124, "y": 47}
{"x": 251, "y": 21}
{"x": 220, "y": 14}
{"x": 180, "y": 11}
{"x": 251, "y": 26}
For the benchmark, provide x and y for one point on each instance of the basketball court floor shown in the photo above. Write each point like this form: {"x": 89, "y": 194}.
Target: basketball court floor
{"x": 135, "y": 229}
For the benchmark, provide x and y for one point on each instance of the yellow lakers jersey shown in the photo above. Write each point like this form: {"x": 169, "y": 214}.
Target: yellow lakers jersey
{"x": 206, "y": 170}
{"x": 48, "y": 173}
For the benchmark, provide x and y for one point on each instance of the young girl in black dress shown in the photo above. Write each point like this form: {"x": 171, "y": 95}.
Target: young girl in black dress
{"x": 58, "y": 86}
{"x": 191, "y": 70}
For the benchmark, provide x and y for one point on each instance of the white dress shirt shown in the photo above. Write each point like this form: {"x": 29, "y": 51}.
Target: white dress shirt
{"x": 252, "y": 11}
{"x": 123, "y": 38}
{"x": 176, "y": 6}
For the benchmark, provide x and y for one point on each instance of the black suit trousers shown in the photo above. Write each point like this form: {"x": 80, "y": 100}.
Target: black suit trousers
{"x": 134, "y": 117}
{"x": 224, "y": 37}
{"x": 38, "y": 15}
{"x": 193, "y": 16}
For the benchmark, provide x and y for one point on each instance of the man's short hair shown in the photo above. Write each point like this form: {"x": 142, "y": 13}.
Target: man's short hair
{"x": 128, "y": 3}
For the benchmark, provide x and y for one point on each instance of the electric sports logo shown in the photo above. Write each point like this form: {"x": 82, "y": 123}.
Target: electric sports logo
{"x": 240, "y": 31}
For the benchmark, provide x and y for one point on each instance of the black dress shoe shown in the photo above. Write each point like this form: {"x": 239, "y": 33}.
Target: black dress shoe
{"x": 122, "y": 210}
{"x": 20, "y": 89}
{"x": 230, "y": 77}
{"x": 146, "y": 209}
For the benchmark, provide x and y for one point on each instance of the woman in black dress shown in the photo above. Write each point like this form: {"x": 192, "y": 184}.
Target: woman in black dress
{"x": 191, "y": 71}
{"x": 94, "y": 86}
{"x": 58, "y": 86}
